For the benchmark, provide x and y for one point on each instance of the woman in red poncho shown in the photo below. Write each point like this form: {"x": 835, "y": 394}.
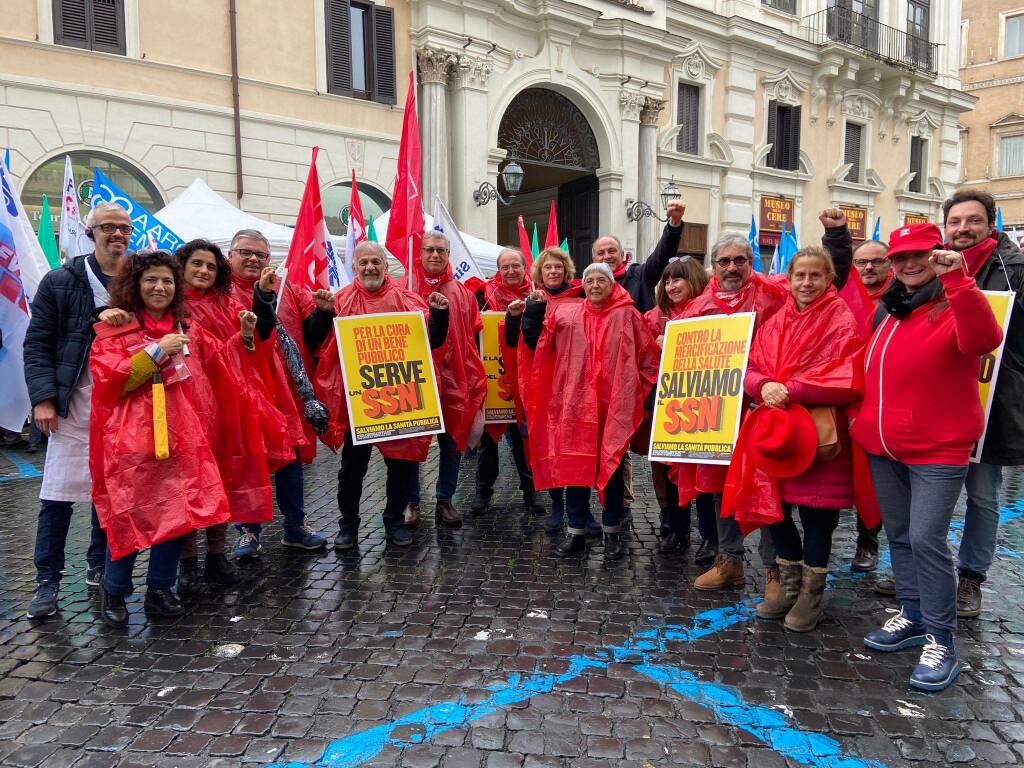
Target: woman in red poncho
{"x": 595, "y": 362}
{"x": 157, "y": 383}
{"x": 809, "y": 353}
{"x": 263, "y": 390}
{"x": 683, "y": 279}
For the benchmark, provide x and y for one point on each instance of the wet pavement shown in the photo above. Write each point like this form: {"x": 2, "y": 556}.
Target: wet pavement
{"x": 477, "y": 647}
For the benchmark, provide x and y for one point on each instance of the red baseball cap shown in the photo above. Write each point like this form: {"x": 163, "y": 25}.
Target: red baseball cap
{"x": 914, "y": 237}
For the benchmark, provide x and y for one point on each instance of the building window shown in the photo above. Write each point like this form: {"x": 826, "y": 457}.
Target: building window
{"x": 918, "y": 163}
{"x": 361, "y": 50}
{"x": 96, "y": 25}
{"x": 1011, "y": 156}
{"x": 853, "y": 151}
{"x": 1013, "y": 42}
{"x": 784, "y": 136}
{"x": 688, "y": 119}
{"x": 786, "y": 6}
{"x": 919, "y": 50}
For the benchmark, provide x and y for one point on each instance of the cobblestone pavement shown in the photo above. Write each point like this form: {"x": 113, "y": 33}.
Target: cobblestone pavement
{"x": 477, "y": 647}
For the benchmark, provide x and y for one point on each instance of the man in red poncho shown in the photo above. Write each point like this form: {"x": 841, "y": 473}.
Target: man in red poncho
{"x": 373, "y": 291}
{"x": 462, "y": 382}
{"x": 735, "y": 287}
{"x": 508, "y": 285}
{"x": 595, "y": 362}
{"x": 304, "y": 321}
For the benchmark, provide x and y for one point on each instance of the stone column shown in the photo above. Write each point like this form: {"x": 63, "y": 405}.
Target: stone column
{"x": 738, "y": 185}
{"x": 648, "y": 229}
{"x": 630, "y": 104}
{"x": 470, "y": 156}
{"x": 434, "y": 64}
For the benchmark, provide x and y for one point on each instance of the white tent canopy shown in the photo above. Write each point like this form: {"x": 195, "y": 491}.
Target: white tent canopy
{"x": 484, "y": 253}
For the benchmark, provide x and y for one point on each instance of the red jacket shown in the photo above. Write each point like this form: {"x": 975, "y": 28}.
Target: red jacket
{"x": 921, "y": 403}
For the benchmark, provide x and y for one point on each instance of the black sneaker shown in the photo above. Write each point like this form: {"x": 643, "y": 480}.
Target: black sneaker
{"x": 113, "y": 609}
{"x": 344, "y": 541}
{"x": 481, "y": 504}
{"x": 399, "y": 536}
{"x": 93, "y": 576}
{"x": 44, "y": 604}
{"x": 163, "y": 603}
{"x": 937, "y": 668}
{"x": 897, "y": 633}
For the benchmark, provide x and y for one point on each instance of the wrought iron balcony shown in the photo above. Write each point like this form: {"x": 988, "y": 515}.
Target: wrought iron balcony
{"x": 877, "y": 40}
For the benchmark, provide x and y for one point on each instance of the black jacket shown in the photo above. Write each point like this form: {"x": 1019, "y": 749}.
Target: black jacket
{"x": 1004, "y": 438}
{"x": 838, "y": 242}
{"x": 640, "y": 279}
{"x": 59, "y": 334}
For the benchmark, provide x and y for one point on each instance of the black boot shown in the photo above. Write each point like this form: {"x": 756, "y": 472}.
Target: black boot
{"x": 530, "y": 502}
{"x": 706, "y": 553}
{"x": 573, "y": 544}
{"x": 113, "y": 609}
{"x": 614, "y": 549}
{"x": 669, "y": 542}
{"x": 219, "y": 570}
{"x": 164, "y": 603}
{"x": 188, "y": 576}
{"x": 664, "y": 528}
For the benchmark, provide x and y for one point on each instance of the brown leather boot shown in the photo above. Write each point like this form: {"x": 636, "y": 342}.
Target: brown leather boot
{"x": 781, "y": 589}
{"x": 446, "y": 514}
{"x": 806, "y": 613}
{"x": 412, "y": 514}
{"x": 725, "y": 573}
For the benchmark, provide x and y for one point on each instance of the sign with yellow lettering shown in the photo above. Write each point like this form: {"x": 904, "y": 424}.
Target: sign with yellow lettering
{"x": 388, "y": 374}
{"x": 699, "y": 395}
{"x": 776, "y": 211}
{"x": 499, "y": 407}
{"x": 915, "y": 218}
{"x": 1002, "y": 305}
{"x": 856, "y": 221}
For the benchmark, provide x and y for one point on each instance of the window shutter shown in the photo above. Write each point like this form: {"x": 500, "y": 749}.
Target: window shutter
{"x": 916, "y": 164}
{"x": 108, "y": 26}
{"x": 773, "y": 154}
{"x": 339, "y": 46}
{"x": 793, "y": 142}
{"x": 851, "y": 151}
{"x": 70, "y": 23}
{"x": 688, "y": 117}
{"x": 384, "y": 86}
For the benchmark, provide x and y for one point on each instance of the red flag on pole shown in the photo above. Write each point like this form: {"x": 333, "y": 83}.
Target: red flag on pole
{"x": 405, "y": 225}
{"x": 306, "y": 263}
{"x": 856, "y": 297}
{"x": 525, "y": 247}
{"x": 551, "y": 239}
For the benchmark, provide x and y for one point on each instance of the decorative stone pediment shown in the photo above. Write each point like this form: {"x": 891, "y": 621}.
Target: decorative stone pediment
{"x": 923, "y": 124}
{"x": 1014, "y": 119}
{"x": 860, "y": 104}
{"x": 783, "y": 87}
{"x": 695, "y": 63}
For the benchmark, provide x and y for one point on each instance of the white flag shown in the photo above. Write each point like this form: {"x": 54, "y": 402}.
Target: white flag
{"x": 32, "y": 260}
{"x": 14, "y": 314}
{"x": 73, "y": 241}
{"x": 463, "y": 264}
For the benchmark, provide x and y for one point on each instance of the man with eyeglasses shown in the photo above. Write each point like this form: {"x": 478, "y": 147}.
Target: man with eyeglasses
{"x": 871, "y": 260}
{"x": 735, "y": 287}
{"x": 304, "y": 322}
{"x": 996, "y": 263}
{"x": 67, "y": 303}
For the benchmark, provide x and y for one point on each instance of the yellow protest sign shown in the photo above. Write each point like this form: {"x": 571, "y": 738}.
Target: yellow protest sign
{"x": 1002, "y": 305}
{"x": 388, "y": 374}
{"x": 499, "y": 407}
{"x": 700, "y": 389}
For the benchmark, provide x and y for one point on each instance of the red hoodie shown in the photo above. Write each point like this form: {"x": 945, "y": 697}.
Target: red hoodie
{"x": 921, "y": 403}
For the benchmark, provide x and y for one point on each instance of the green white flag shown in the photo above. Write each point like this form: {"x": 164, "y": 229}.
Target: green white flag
{"x": 47, "y": 239}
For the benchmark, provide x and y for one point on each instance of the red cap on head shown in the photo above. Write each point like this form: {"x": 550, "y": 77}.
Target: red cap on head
{"x": 914, "y": 237}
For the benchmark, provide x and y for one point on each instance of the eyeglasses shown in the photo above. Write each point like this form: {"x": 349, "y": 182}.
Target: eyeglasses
{"x": 682, "y": 259}
{"x": 739, "y": 261}
{"x": 109, "y": 229}
{"x": 872, "y": 262}
{"x": 428, "y": 249}
{"x": 246, "y": 254}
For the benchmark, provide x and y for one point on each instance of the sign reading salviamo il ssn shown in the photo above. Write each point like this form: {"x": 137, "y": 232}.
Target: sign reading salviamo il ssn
{"x": 699, "y": 395}
{"x": 388, "y": 373}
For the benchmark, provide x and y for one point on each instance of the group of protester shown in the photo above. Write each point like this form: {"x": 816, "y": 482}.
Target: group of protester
{"x": 171, "y": 386}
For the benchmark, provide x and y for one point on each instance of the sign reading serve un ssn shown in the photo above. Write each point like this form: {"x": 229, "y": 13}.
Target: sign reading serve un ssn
{"x": 388, "y": 373}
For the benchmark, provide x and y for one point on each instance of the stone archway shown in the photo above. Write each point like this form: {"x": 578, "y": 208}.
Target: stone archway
{"x": 552, "y": 140}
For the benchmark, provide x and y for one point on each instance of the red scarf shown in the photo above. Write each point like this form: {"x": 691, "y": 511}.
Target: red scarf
{"x": 427, "y": 284}
{"x": 976, "y": 256}
{"x": 731, "y": 301}
{"x": 499, "y": 295}
{"x": 156, "y": 329}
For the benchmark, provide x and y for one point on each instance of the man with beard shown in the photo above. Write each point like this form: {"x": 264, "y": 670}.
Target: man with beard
{"x": 871, "y": 260}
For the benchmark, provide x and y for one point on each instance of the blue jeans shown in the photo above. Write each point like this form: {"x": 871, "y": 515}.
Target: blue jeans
{"x": 981, "y": 520}
{"x": 288, "y": 484}
{"x": 163, "y": 569}
{"x": 52, "y": 535}
{"x": 447, "y": 471}
{"x": 730, "y": 538}
{"x": 577, "y": 502}
{"x": 917, "y": 502}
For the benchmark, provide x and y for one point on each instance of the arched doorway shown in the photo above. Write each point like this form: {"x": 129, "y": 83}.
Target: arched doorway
{"x": 551, "y": 139}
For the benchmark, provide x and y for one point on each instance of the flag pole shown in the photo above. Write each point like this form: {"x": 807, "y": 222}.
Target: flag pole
{"x": 412, "y": 272}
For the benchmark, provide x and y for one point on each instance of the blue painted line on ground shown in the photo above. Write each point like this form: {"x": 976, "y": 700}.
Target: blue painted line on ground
{"x": 766, "y": 724}
{"x": 25, "y": 469}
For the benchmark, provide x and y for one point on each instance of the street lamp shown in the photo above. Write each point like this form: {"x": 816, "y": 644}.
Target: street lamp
{"x": 638, "y": 209}
{"x": 512, "y": 176}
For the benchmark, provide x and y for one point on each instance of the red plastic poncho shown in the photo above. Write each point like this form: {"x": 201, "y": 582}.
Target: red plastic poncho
{"x": 819, "y": 348}
{"x": 354, "y": 299}
{"x": 462, "y": 381}
{"x": 764, "y": 298}
{"x": 264, "y": 383}
{"x": 591, "y": 372}
{"x": 296, "y": 305}
{"x": 141, "y": 501}
{"x": 498, "y": 296}
{"x": 524, "y": 355}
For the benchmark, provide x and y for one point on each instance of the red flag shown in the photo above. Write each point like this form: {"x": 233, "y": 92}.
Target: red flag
{"x": 551, "y": 240}
{"x": 856, "y": 297}
{"x": 306, "y": 263}
{"x": 525, "y": 247}
{"x": 405, "y": 225}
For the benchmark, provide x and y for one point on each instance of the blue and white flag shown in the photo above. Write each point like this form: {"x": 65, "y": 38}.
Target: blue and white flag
{"x": 464, "y": 266}
{"x": 877, "y": 234}
{"x": 73, "y": 241}
{"x": 755, "y": 246}
{"x": 999, "y": 219}
{"x": 148, "y": 228}
{"x": 14, "y": 312}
